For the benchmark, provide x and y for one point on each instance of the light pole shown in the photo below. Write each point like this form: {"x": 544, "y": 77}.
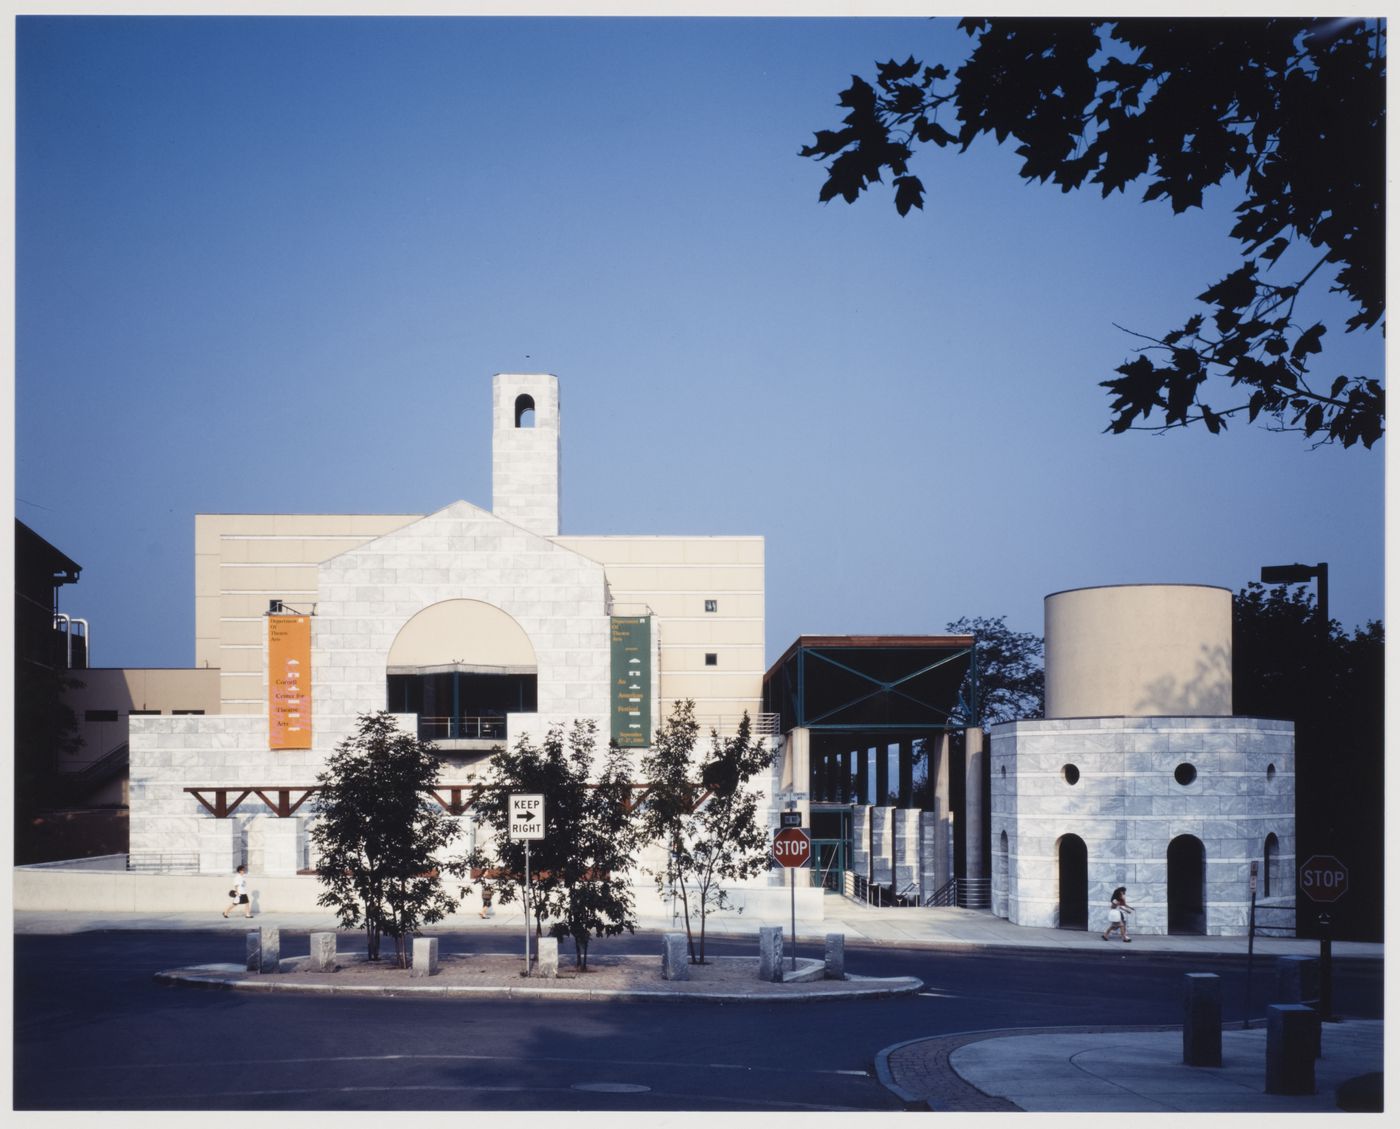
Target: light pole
{"x": 1302, "y": 574}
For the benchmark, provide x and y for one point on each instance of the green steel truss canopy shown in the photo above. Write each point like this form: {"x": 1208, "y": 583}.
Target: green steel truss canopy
{"x": 873, "y": 683}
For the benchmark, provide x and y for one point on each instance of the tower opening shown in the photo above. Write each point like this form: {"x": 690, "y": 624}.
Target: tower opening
{"x": 524, "y": 410}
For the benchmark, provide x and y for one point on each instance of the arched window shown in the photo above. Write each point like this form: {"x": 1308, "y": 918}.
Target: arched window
{"x": 1270, "y": 863}
{"x": 524, "y": 410}
{"x": 462, "y": 666}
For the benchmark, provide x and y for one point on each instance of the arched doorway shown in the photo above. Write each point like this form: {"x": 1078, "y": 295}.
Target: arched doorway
{"x": 1073, "y": 859}
{"x": 1002, "y": 877}
{"x": 1186, "y": 885}
{"x": 1270, "y": 864}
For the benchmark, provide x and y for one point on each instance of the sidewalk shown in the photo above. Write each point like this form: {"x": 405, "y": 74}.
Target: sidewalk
{"x": 1121, "y": 1071}
{"x": 940, "y": 927}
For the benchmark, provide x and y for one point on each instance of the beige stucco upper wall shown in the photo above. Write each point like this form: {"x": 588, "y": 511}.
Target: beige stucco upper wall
{"x": 244, "y": 560}
{"x": 672, "y": 578}
{"x": 1140, "y": 650}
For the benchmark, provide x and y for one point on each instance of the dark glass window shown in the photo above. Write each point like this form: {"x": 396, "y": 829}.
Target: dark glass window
{"x": 456, "y": 705}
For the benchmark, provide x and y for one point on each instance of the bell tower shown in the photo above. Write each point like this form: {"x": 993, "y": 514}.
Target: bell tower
{"x": 525, "y": 450}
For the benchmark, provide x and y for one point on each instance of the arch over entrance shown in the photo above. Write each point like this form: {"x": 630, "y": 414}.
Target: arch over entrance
{"x": 1186, "y": 885}
{"x": 1072, "y": 873}
{"x": 461, "y": 666}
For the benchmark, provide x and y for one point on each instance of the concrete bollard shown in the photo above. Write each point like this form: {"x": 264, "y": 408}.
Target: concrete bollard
{"x": 264, "y": 949}
{"x": 1298, "y": 980}
{"x": 770, "y": 953}
{"x": 1200, "y": 1028}
{"x": 835, "y": 956}
{"x": 1288, "y": 1057}
{"x": 323, "y": 952}
{"x": 675, "y": 961}
{"x": 549, "y": 957}
{"x": 425, "y": 958}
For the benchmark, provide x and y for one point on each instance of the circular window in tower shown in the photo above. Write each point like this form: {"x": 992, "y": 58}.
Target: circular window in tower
{"x": 1070, "y": 774}
{"x": 1185, "y": 773}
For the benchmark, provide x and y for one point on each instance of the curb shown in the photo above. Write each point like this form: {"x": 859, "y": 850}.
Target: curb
{"x": 229, "y": 977}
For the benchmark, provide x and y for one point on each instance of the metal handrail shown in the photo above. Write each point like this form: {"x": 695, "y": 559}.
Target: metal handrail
{"x": 964, "y": 893}
{"x": 462, "y": 728}
{"x": 152, "y": 861}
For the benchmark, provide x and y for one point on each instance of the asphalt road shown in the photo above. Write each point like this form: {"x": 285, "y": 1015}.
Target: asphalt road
{"x": 94, "y": 1031}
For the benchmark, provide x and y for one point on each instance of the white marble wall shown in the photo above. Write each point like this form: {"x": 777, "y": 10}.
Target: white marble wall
{"x": 1127, "y": 806}
{"x": 860, "y": 841}
{"x": 907, "y": 860}
{"x": 367, "y": 595}
{"x": 882, "y": 846}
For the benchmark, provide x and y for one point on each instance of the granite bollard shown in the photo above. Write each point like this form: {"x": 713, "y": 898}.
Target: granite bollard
{"x": 770, "y": 953}
{"x": 835, "y": 956}
{"x": 264, "y": 949}
{"x": 675, "y": 963}
{"x": 323, "y": 952}
{"x": 1289, "y": 1056}
{"x": 549, "y": 957}
{"x": 425, "y": 958}
{"x": 1200, "y": 1028}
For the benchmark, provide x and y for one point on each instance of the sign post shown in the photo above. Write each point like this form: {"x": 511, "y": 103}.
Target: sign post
{"x": 792, "y": 847}
{"x": 1324, "y": 879}
{"x": 527, "y": 823}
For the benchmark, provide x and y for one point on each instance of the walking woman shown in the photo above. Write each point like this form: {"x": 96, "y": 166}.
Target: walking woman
{"x": 1118, "y": 910}
{"x": 239, "y": 894}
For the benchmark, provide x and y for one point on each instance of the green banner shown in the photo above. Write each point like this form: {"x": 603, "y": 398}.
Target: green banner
{"x": 631, "y": 681}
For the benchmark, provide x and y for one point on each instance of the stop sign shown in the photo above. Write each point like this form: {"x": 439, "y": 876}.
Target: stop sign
{"x": 792, "y": 846}
{"x": 1323, "y": 878}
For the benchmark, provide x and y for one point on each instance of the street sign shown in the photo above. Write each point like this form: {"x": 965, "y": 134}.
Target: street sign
{"x": 790, "y": 818}
{"x": 1323, "y": 878}
{"x": 526, "y": 816}
{"x": 792, "y": 847}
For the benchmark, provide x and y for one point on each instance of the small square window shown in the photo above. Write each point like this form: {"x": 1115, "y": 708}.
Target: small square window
{"x": 711, "y": 659}
{"x": 99, "y": 715}
{"x": 190, "y": 713}
{"x": 712, "y": 605}
{"x": 144, "y": 713}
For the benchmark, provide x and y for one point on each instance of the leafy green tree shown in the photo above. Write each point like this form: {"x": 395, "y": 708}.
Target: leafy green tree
{"x": 705, "y": 814}
{"x": 1010, "y": 672}
{"x": 1334, "y": 693}
{"x": 1288, "y": 113}
{"x": 579, "y": 870}
{"x": 377, "y": 833}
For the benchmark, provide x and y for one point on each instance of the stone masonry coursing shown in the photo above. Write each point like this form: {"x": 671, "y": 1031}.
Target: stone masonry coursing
{"x": 1127, "y": 805}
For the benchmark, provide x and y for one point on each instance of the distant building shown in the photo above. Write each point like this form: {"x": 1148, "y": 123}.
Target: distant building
{"x": 1139, "y": 775}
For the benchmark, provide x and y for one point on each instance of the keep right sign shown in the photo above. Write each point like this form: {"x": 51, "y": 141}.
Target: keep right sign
{"x": 1323, "y": 878}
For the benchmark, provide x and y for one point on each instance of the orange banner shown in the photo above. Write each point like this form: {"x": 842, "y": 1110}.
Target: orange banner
{"x": 289, "y": 681}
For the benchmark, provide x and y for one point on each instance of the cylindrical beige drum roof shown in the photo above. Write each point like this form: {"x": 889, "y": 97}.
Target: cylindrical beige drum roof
{"x": 1139, "y": 650}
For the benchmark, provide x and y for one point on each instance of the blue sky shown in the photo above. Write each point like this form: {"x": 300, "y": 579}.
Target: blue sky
{"x": 271, "y": 265}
